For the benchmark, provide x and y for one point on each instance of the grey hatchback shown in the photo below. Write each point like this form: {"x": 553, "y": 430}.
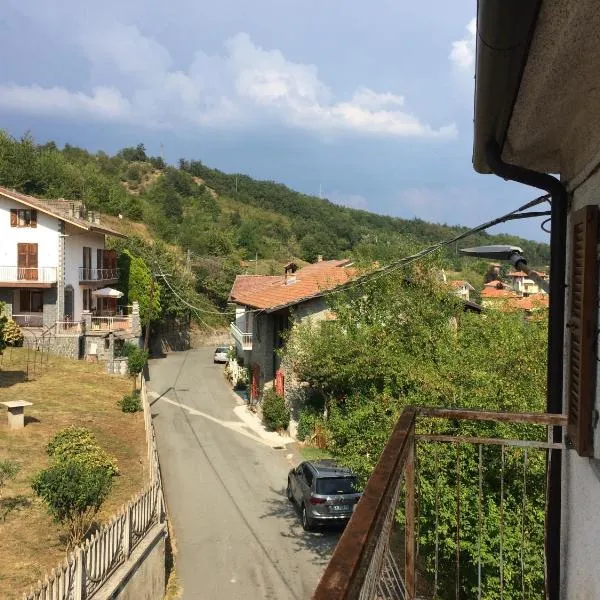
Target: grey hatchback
{"x": 323, "y": 491}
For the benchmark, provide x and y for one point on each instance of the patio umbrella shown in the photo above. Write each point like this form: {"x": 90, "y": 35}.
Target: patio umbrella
{"x": 107, "y": 293}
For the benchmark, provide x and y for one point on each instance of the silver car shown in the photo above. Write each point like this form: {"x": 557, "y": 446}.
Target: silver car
{"x": 323, "y": 491}
{"x": 221, "y": 354}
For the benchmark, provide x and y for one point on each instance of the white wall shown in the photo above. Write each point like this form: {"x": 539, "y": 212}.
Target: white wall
{"x": 45, "y": 235}
{"x": 581, "y": 478}
{"x": 74, "y": 243}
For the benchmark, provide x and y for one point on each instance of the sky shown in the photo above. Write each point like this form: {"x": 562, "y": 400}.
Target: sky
{"x": 368, "y": 104}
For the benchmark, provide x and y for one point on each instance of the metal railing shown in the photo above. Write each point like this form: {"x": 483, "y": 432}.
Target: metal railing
{"x": 89, "y": 567}
{"x": 116, "y": 323}
{"x": 28, "y": 319}
{"x": 24, "y": 274}
{"x": 244, "y": 338}
{"x": 89, "y": 274}
{"x": 69, "y": 326}
{"x": 453, "y": 509}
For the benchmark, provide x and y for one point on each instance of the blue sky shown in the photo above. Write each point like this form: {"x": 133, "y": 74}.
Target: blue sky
{"x": 371, "y": 103}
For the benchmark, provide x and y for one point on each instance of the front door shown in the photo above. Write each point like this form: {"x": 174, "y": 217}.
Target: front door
{"x": 69, "y": 300}
{"x": 27, "y": 265}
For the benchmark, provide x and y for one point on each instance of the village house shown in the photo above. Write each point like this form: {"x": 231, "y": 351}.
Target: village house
{"x": 55, "y": 273}
{"x": 523, "y": 285}
{"x": 462, "y": 288}
{"x": 267, "y": 304}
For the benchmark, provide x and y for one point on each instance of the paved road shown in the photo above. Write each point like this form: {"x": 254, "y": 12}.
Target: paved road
{"x": 236, "y": 535}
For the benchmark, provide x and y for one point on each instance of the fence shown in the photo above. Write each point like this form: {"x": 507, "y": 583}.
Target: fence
{"x": 69, "y": 326}
{"x": 36, "y": 274}
{"x": 88, "y": 274}
{"x": 89, "y": 567}
{"x": 28, "y": 320}
{"x": 452, "y": 509}
{"x": 111, "y": 323}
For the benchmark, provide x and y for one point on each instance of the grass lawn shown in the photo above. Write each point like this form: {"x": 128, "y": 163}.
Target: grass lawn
{"x": 312, "y": 453}
{"x": 67, "y": 393}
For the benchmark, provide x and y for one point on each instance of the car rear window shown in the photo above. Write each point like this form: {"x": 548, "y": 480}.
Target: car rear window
{"x": 337, "y": 485}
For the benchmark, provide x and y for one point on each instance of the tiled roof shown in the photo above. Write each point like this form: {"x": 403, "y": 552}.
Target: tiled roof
{"x": 272, "y": 292}
{"x": 492, "y": 292}
{"x": 517, "y": 274}
{"x": 59, "y": 209}
{"x": 458, "y": 283}
{"x": 533, "y": 302}
{"x": 495, "y": 284}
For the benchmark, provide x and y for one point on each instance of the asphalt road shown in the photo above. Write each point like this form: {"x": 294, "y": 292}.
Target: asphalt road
{"x": 237, "y": 536}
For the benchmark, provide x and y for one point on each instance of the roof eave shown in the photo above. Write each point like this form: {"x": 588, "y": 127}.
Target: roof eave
{"x": 504, "y": 32}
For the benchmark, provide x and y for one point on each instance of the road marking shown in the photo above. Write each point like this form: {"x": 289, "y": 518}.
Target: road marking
{"x": 236, "y": 426}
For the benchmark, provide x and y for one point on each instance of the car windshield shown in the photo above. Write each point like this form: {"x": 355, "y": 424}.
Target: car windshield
{"x": 222, "y": 350}
{"x": 337, "y": 485}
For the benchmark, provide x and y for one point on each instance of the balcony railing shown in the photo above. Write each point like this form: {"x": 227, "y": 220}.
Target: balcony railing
{"x": 69, "y": 326}
{"x": 28, "y": 274}
{"x": 117, "y": 323}
{"x": 88, "y": 274}
{"x": 245, "y": 339}
{"x": 28, "y": 320}
{"x": 453, "y": 509}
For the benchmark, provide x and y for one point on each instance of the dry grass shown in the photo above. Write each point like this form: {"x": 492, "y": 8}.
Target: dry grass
{"x": 67, "y": 393}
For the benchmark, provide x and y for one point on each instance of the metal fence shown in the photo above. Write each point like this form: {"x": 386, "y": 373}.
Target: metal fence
{"x": 89, "y": 274}
{"x": 86, "y": 570}
{"x": 442, "y": 496}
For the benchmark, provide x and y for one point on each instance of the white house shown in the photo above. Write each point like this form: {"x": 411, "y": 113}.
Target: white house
{"x": 52, "y": 257}
{"x": 523, "y": 285}
{"x": 462, "y": 288}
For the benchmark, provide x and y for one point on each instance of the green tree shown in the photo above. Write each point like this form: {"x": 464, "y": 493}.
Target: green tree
{"x": 73, "y": 493}
{"x": 136, "y": 284}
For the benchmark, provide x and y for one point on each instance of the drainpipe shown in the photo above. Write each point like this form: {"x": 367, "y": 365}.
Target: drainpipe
{"x": 556, "y": 323}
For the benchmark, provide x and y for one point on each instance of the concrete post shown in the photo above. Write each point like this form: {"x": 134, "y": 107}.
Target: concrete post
{"x": 79, "y": 583}
{"x": 127, "y": 532}
{"x": 86, "y": 317}
{"x": 136, "y": 324}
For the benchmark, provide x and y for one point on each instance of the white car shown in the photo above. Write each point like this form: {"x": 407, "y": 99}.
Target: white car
{"x": 221, "y": 355}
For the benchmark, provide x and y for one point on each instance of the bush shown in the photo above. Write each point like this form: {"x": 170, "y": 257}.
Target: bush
{"x": 275, "y": 412}
{"x": 79, "y": 445}
{"x": 131, "y": 403}
{"x": 8, "y": 471}
{"x": 306, "y": 424}
{"x": 127, "y": 348}
{"x": 13, "y": 336}
{"x": 74, "y": 493}
{"x": 136, "y": 360}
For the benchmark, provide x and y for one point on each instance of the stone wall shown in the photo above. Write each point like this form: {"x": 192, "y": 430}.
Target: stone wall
{"x": 50, "y": 308}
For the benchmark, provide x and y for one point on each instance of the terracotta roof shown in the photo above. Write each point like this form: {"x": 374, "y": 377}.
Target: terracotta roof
{"x": 518, "y": 274}
{"x": 493, "y": 292}
{"x": 272, "y": 292}
{"x": 59, "y": 209}
{"x": 460, "y": 283}
{"x": 533, "y": 302}
{"x": 495, "y": 283}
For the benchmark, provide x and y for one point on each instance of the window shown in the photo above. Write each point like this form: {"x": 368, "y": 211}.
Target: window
{"x": 27, "y": 261}
{"x": 23, "y": 217}
{"x": 337, "y": 485}
{"x": 30, "y": 301}
{"x": 87, "y": 299}
{"x": 308, "y": 475}
{"x": 87, "y": 264}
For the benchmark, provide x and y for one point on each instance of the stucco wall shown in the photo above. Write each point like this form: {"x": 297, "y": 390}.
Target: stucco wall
{"x": 74, "y": 243}
{"x": 581, "y": 480}
{"x": 45, "y": 235}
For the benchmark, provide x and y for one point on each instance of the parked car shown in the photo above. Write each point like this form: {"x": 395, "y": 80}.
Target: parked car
{"x": 221, "y": 354}
{"x": 323, "y": 491}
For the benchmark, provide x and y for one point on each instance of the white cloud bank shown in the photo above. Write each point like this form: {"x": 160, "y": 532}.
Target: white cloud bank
{"x": 462, "y": 54}
{"x": 245, "y": 86}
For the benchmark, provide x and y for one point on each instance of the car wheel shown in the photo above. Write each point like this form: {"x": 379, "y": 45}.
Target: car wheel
{"x": 307, "y": 523}
{"x": 288, "y": 491}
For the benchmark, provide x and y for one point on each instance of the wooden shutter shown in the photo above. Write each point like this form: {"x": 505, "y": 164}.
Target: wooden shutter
{"x": 33, "y": 221}
{"x": 582, "y": 325}
{"x": 14, "y": 217}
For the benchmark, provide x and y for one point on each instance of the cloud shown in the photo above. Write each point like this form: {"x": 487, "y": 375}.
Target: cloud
{"x": 245, "y": 86}
{"x": 462, "y": 54}
{"x": 349, "y": 200}
{"x": 104, "y": 103}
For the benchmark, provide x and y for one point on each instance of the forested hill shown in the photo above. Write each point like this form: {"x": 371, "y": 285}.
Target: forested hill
{"x": 222, "y": 219}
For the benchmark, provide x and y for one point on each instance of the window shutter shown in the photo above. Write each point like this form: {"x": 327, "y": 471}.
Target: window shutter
{"x": 14, "y": 217}
{"x": 583, "y": 318}
{"x": 33, "y": 221}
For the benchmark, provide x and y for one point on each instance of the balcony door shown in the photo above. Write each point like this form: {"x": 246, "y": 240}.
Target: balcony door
{"x": 27, "y": 265}
{"x": 87, "y": 264}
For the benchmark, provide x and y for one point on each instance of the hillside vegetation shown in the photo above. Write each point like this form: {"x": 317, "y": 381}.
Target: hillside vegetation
{"x": 220, "y": 220}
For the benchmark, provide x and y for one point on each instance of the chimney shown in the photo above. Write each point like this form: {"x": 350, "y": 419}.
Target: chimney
{"x": 319, "y": 258}
{"x": 290, "y": 270}
{"x": 71, "y": 210}
{"x": 96, "y": 218}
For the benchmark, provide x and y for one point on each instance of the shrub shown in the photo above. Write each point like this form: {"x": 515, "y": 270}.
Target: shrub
{"x": 306, "y": 424}
{"x": 74, "y": 493}
{"x": 131, "y": 403}
{"x": 79, "y": 445}
{"x": 127, "y": 348}
{"x": 275, "y": 412}
{"x": 13, "y": 336}
{"x": 8, "y": 471}
{"x": 136, "y": 360}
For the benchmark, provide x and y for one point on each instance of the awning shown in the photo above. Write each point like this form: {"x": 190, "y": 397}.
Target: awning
{"x": 107, "y": 293}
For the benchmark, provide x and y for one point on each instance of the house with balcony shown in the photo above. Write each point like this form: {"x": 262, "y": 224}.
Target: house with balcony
{"x": 267, "y": 305}
{"x": 55, "y": 269}
{"x": 537, "y": 113}
{"x": 523, "y": 285}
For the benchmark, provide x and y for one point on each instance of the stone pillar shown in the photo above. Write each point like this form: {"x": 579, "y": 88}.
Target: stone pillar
{"x": 60, "y": 274}
{"x": 136, "y": 323}
{"x": 86, "y": 317}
